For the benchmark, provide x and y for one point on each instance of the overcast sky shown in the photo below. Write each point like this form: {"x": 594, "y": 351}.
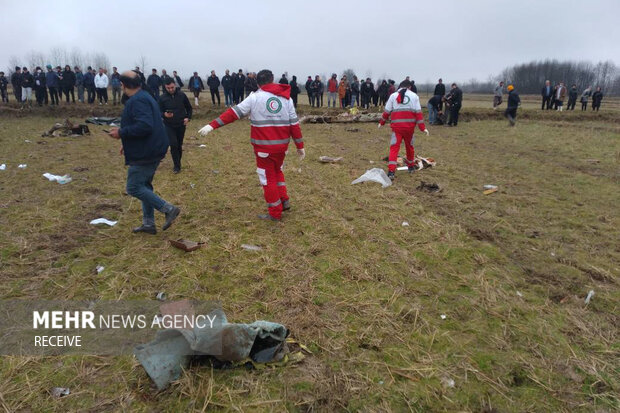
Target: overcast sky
{"x": 454, "y": 39}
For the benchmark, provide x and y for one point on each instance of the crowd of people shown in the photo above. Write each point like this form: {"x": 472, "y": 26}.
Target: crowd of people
{"x": 553, "y": 97}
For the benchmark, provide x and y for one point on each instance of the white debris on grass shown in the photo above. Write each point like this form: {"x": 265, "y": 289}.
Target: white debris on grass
{"x": 65, "y": 179}
{"x": 374, "y": 175}
{"x": 103, "y": 221}
{"x": 22, "y": 166}
{"x": 100, "y": 269}
{"x": 2, "y": 167}
{"x": 589, "y": 297}
{"x": 250, "y": 247}
{"x": 405, "y": 224}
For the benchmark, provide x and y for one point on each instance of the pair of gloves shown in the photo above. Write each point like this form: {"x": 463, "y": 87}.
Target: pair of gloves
{"x": 208, "y": 129}
{"x": 381, "y": 124}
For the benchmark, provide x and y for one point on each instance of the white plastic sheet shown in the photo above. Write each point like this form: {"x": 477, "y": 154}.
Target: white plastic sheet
{"x": 103, "y": 221}
{"x": 2, "y": 167}
{"x": 65, "y": 179}
{"x": 374, "y": 175}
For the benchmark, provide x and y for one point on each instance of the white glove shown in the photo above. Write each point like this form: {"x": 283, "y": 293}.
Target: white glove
{"x": 427, "y": 132}
{"x": 205, "y": 131}
{"x": 302, "y": 153}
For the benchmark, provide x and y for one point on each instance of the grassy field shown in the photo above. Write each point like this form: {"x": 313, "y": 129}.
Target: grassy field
{"x": 509, "y": 270}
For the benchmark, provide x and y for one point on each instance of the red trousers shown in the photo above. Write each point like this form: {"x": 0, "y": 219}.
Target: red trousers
{"x": 397, "y": 138}
{"x": 269, "y": 170}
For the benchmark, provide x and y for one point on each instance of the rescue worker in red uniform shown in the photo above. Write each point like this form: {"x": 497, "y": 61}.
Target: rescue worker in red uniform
{"x": 273, "y": 123}
{"x": 404, "y": 111}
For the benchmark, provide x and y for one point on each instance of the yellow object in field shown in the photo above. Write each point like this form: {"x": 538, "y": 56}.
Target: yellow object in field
{"x": 353, "y": 111}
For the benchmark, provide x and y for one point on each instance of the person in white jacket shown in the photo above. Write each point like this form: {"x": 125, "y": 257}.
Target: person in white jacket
{"x": 101, "y": 86}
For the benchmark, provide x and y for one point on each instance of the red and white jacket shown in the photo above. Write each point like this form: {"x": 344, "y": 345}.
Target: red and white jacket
{"x": 272, "y": 117}
{"x": 405, "y": 114}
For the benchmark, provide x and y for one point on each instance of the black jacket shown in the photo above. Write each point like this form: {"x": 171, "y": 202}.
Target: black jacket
{"x": 16, "y": 80}
{"x": 142, "y": 131}
{"x": 543, "y": 91}
{"x": 440, "y": 89}
{"x": 27, "y": 80}
{"x": 68, "y": 78}
{"x": 414, "y": 88}
{"x": 435, "y": 101}
{"x": 283, "y": 81}
{"x": 153, "y": 82}
{"x": 597, "y": 97}
{"x": 178, "y": 104}
{"x": 240, "y": 82}
{"x": 39, "y": 80}
{"x": 213, "y": 82}
{"x": 251, "y": 85}
{"x": 456, "y": 97}
{"x": 164, "y": 79}
{"x": 308, "y": 85}
{"x": 179, "y": 81}
{"x": 191, "y": 84}
{"x": 227, "y": 82}
{"x": 3, "y": 82}
{"x": 513, "y": 100}
{"x": 367, "y": 89}
{"x": 294, "y": 88}
{"x": 572, "y": 94}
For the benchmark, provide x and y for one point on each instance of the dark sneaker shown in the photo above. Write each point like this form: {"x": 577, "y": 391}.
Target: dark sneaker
{"x": 176, "y": 170}
{"x": 286, "y": 205}
{"x": 268, "y": 217}
{"x": 149, "y": 229}
{"x": 170, "y": 217}
{"x": 391, "y": 175}
{"x": 410, "y": 169}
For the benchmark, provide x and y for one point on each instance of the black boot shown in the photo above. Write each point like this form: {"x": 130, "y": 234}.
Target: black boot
{"x": 170, "y": 217}
{"x": 149, "y": 229}
{"x": 286, "y": 205}
{"x": 391, "y": 175}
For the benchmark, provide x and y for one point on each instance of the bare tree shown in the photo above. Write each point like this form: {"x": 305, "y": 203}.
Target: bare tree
{"x": 349, "y": 73}
{"x": 77, "y": 58}
{"x": 35, "y": 59}
{"x": 100, "y": 60}
{"x": 13, "y": 63}
{"x": 58, "y": 56}
{"x": 142, "y": 62}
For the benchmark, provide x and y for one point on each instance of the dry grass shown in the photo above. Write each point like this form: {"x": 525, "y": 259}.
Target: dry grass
{"x": 364, "y": 293}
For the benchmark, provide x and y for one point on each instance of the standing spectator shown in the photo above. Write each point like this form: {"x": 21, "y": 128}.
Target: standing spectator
{"x": 177, "y": 80}
{"x": 440, "y": 89}
{"x": 68, "y": 83}
{"x": 176, "y": 112}
{"x": 383, "y": 92}
{"x": 513, "y": 104}
{"x": 355, "y": 92}
{"x": 164, "y": 80}
{"x": 308, "y": 88}
{"x": 227, "y": 84}
{"x": 375, "y": 94}
{"x": 154, "y": 83}
{"x": 414, "y": 88}
{"x": 40, "y": 91}
{"x": 597, "y": 97}
{"x": 250, "y": 84}
{"x": 27, "y": 84}
{"x": 456, "y": 100}
{"x": 317, "y": 91}
{"x": 137, "y": 70}
{"x": 584, "y": 98}
{"x": 283, "y": 79}
{"x": 559, "y": 95}
{"x": 433, "y": 108}
{"x": 547, "y": 95}
{"x": 79, "y": 83}
{"x": 294, "y": 90}
{"x": 391, "y": 87}
{"x": 342, "y": 91}
{"x": 89, "y": 84}
{"x": 53, "y": 83}
{"x": 239, "y": 87}
{"x": 196, "y": 86}
{"x": 366, "y": 91}
{"x": 572, "y": 98}
{"x": 115, "y": 82}
{"x": 214, "y": 87}
{"x": 145, "y": 144}
{"x": 332, "y": 90}
{"x": 4, "y": 83}
{"x": 497, "y": 97}
{"x": 16, "y": 82}
{"x": 101, "y": 85}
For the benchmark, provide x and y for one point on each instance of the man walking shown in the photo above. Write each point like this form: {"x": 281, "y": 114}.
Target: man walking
{"x": 195, "y": 86}
{"x": 145, "y": 144}
{"x": 332, "y": 90}
{"x": 115, "y": 82}
{"x": 16, "y": 82}
{"x": 597, "y": 97}
{"x": 101, "y": 85}
{"x": 53, "y": 83}
{"x": 547, "y": 94}
{"x": 456, "y": 100}
{"x": 154, "y": 83}
{"x": 176, "y": 112}
{"x": 273, "y": 122}
{"x": 214, "y": 87}
{"x": 497, "y": 97}
{"x": 227, "y": 84}
{"x": 513, "y": 104}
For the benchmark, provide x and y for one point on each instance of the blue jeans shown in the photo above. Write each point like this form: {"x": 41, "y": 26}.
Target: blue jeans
{"x": 228, "y": 96}
{"x": 140, "y": 185}
{"x": 432, "y": 114}
{"x": 355, "y": 97}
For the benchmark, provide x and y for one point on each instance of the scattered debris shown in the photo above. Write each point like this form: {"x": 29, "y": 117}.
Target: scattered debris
{"x": 342, "y": 118}
{"x": 428, "y": 187}
{"x": 65, "y": 179}
{"x": 447, "y": 382}
{"x": 489, "y": 187}
{"x": 2, "y": 167}
{"x": 220, "y": 343}
{"x": 22, "y": 166}
{"x": 103, "y": 221}
{"x": 191, "y": 185}
{"x": 27, "y": 140}
{"x": 111, "y": 121}
{"x": 202, "y": 146}
{"x": 215, "y": 171}
{"x": 186, "y": 245}
{"x": 589, "y": 297}
{"x": 352, "y": 130}
{"x": 99, "y": 269}
{"x": 60, "y": 391}
{"x": 519, "y": 294}
{"x": 161, "y": 296}
{"x": 405, "y": 224}
{"x": 490, "y": 190}
{"x": 250, "y": 247}
{"x": 329, "y": 159}
{"x": 67, "y": 129}
{"x": 443, "y": 316}
{"x": 374, "y": 175}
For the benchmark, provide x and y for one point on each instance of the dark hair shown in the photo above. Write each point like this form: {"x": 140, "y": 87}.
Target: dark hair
{"x": 264, "y": 76}
{"x": 405, "y": 84}
{"x": 131, "y": 82}
{"x": 18, "y": 68}
{"x": 168, "y": 81}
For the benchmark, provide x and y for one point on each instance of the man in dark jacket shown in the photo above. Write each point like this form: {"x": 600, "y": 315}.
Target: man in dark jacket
{"x": 227, "y": 84}
{"x": 513, "y": 104}
{"x": 250, "y": 84}
{"x": 597, "y": 97}
{"x": 283, "y": 80}
{"x": 154, "y": 83}
{"x": 294, "y": 90}
{"x": 4, "y": 83}
{"x": 145, "y": 144}
{"x": 40, "y": 90}
{"x": 89, "y": 84}
{"x": 317, "y": 91}
{"x": 27, "y": 85}
{"x": 177, "y": 79}
{"x": 308, "y": 89}
{"x": 79, "y": 83}
{"x": 366, "y": 91}
{"x": 16, "y": 82}
{"x": 68, "y": 83}
{"x": 195, "y": 86}
{"x": 546, "y": 93}
{"x": 214, "y": 87}
{"x": 176, "y": 112}
{"x": 164, "y": 80}
{"x": 355, "y": 92}
{"x": 115, "y": 82}
{"x": 456, "y": 99}
{"x": 239, "y": 87}
{"x": 572, "y": 98}
{"x": 53, "y": 83}
{"x": 433, "y": 105}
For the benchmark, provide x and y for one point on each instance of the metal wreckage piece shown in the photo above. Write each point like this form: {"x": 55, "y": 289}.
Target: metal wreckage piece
{"x": 67, "y": 128}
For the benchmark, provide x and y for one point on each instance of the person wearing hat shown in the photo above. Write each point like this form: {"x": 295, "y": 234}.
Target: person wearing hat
{"x": 513, "y": 104}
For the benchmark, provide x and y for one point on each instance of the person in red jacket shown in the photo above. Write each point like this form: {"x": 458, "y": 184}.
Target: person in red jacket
{"x": 273, "y": 122}
{"x": 404, "y": 111}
